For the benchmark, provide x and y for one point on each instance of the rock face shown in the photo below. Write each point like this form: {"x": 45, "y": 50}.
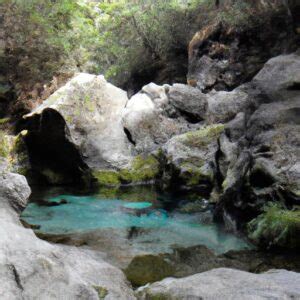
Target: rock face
{"x": 226, "y": 284}
{"x": 34, "y": 269}
{"x": 222, "y": 56}
{"x": 86, "y": 112}
{"x": 266, "y": 166}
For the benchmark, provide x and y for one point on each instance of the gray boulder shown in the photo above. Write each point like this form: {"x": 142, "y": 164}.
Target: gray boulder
{"x": 34, "y": 269}
{"x": 147, "y": 120}
{"x": 91, "y": 108}
{"x": 190, "y": 158}
{"x": 227, "y": 284}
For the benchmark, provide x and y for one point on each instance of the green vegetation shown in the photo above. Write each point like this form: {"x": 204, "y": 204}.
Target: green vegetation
{"x": 102, "y": 291}
{"x": 116, "y": 38}
{"x": 148, "y": 268}
{"x": 276, "y": 227}
{"x": 141, "y": 170}
{"x": 203, "y": 136}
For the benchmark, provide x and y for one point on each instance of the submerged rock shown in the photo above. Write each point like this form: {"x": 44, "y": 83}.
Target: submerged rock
{"x": 226, "y": 284}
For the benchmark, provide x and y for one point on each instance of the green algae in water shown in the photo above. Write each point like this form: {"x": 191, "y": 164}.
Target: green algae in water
{"x": 156, "y": 230}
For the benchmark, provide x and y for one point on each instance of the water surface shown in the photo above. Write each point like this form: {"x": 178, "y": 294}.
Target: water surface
{"x": 139, "y": 221}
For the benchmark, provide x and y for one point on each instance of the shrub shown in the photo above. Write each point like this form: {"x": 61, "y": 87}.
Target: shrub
{"x": 276, "y": 227}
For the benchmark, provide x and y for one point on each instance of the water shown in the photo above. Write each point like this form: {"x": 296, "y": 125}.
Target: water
{"x": 138, "y": 223}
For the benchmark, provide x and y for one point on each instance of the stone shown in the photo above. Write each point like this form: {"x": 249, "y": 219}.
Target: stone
{"x": 148, "y": 268}
{"x": 34, "y": 269}
{"x": 226, "y": 284}
{"x": 91, "y": 108}
{"x": 190, "y": 157}
{"x": 147, "y": 124}
{"x": 189, "y": 101}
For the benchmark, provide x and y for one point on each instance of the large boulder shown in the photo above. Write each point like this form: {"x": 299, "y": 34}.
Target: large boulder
{"x": 226, "y": 284}
{"x": 191, "y": 159}
{"x": 34, "y": 269}
{"x": 91, "y": 108}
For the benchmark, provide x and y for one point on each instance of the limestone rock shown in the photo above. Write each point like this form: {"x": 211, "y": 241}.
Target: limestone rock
{"x": 34, "y": 269}
{"x": 146, "y": 119}
{"x": 92, "y": 108}
{"x": 226, "y": 284}
{"x": 191, "y": 157}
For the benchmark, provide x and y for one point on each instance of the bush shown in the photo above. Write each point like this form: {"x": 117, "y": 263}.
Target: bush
{"x": 276, "y": 227}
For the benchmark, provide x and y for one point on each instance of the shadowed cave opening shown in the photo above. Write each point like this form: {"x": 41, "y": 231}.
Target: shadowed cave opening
{"x": 54, "y": 158}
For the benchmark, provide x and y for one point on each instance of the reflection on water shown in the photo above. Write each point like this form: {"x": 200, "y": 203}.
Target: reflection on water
{"x": 146, "y": 227}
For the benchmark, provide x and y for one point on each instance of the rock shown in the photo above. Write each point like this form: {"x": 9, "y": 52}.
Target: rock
{"x": 34, "y": 269}
{"x": 14, "y": 187}
{"x": 142, "y": 169}
{"x": 84, "y": 114}
{"x": 190, "y": 158}
{"x": 147, "y": 122}
{"x": 148, "y": 268}
{"x": 226, "y": 284}
{"x": 189, "y": 101}
{"x": 280, "y": 73}
{"x": 223, "y": 56}
{"x": 224, "y": 106}
{"x": 260, "y": 147}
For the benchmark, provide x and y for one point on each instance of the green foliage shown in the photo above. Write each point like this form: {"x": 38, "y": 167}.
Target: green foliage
{"x": 277, "y": 227}
{"x": 116, "y": 38}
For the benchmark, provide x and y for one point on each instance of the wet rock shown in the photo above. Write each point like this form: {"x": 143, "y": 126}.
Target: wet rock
{"x": 34, "y": 269}
{"x": 226, "y": 284}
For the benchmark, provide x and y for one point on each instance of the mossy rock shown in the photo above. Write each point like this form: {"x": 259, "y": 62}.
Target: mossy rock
{"x": 194, "y": 175}
{"x": 203, "y": 136}
{"x": 107, "y": 177}
{"x": 150, "y": 295}
{"x": 4, "y": 145}
{"x": 276, "y": 227}
{"x": 102, "y": 291}
{"x": 148, "y": 268}
{"x": 142, "y": 170}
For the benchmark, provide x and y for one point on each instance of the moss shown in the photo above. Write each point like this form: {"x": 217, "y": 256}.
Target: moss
{"x": 107, "y": 177}
{"x": 141, "y": 170}
{"x": 276, "y": 227}
{"x": 203, "y": 136}
{"x": 102, "y": 291}
{"x": 4, "y": 121}
{"x": 4, "y": 145}
{"x": 148, "y": 268}
{"x": 193, "y": 175}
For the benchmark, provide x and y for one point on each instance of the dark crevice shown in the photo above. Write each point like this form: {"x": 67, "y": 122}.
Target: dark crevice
{"x": 295, "y": 86}
{"x": 17, "y": 277}
{"x": 51, "y": 150}
{"x": 129, "y": 136}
